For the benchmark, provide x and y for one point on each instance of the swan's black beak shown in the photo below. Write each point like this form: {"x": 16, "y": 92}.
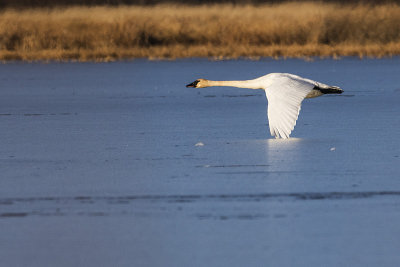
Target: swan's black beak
{"x": 193, "y": 84}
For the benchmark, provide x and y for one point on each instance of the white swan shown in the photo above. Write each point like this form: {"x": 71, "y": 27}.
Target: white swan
{"x": 284, "y": 91}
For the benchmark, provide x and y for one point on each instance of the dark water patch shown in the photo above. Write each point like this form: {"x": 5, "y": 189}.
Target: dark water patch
{"x": 154, "y": 204}
{"x": 92, "y": 214}
{"x": 139, "y": 97}
{"x": 13, "y": 214}
{"x": 280, "y": 215}
{"x": 39, "y": 114}
{"x": 339, "y": 95}
{"x": 239, "y": 95}
{"x": 205, "y": 197}
{"x": 186, "y": 157}
{"x": 82, "y": 198}
{"x": 33, "y": 114}
{"x": 31, "y": 161}
{"x": 241, "y": 216}
{"x": 247, "y": 172}
{"x": 50, "y": 114}
{"x": 232, "y": 166}
{"x": 255, "y": 172}
{"x": 268, "y": 172}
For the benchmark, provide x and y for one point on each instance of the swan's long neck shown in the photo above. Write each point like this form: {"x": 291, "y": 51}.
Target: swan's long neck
{"x": 250, "y": 84}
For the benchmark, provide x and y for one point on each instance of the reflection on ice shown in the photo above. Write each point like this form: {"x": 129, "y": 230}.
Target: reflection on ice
{"x": 283, "y": 154}
{"x": 289, "y": 141}
{"x": 233, "y": 166}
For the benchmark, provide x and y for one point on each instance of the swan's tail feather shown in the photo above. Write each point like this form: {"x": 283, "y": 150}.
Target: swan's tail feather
{"x": 329, "y": 89}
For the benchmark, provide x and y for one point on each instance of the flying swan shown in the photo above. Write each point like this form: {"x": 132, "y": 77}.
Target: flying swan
{"x": 284, "y": 91}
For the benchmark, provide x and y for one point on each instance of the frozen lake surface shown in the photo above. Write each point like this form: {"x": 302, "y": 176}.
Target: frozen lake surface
{"x": 99, "y": 166}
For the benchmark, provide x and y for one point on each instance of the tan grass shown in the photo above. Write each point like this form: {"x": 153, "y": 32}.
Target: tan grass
{"x": 217, "y": 31}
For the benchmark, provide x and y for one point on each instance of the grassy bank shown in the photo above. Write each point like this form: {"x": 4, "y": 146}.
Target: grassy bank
{"x": 166, "y": 31}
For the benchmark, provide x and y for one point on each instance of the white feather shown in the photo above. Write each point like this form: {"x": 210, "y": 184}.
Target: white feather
{"x": 285, "y": 92}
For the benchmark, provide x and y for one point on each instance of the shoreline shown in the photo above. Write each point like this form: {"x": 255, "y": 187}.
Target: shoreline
{"x": 287, "y": 30}
{"x": 280, "y": 53}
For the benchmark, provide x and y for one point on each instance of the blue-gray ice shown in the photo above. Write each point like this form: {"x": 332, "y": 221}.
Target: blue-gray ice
{"x": 118, "y": 164}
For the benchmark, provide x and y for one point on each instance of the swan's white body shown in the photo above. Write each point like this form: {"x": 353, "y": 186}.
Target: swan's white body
{"x": 284, "y": 92}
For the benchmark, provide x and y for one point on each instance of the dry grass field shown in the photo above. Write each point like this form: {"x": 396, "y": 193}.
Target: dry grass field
{"x": 214, "y": 31}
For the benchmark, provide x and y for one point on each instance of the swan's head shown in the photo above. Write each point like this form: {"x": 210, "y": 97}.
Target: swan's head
{"x": 199, "y": 83}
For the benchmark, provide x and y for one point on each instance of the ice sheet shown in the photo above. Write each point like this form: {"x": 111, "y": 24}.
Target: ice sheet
{"x": 101, "y": 166}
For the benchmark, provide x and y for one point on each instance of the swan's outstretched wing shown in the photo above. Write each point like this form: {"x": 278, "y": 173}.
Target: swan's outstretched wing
{"x": 285, "y": 92}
